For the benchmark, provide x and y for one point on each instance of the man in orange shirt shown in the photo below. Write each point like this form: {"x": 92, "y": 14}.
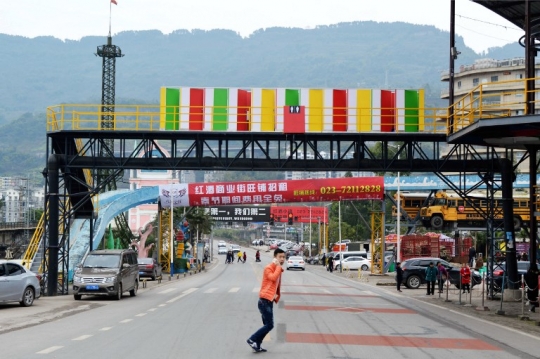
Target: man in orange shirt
{"x": 269, "y": 293}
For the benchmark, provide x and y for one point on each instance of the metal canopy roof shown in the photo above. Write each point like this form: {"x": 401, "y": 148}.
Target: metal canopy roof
{"x": 513, "y": 11}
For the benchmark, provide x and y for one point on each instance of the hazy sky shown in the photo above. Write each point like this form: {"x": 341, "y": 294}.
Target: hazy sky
{"x": 73, "y": 19}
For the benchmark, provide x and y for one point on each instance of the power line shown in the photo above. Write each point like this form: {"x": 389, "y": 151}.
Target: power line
{"x": 480, "y": 33}
{"x": 489, "y": 23}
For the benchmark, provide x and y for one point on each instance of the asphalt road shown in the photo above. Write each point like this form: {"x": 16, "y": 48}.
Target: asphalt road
{"x": 210, "y": 315}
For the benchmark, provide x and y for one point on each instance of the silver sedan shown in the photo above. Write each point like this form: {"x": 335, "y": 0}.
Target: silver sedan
{"x": 296, "y": 262}
{"x": 17, "y": 284}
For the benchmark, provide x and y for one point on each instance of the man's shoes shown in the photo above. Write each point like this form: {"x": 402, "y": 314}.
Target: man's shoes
{"x": 261, "y": 350}
{"x": 252, "y": 344}
{"x": 399, "y": 290}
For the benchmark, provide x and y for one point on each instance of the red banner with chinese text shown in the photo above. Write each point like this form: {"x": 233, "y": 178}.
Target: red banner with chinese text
{"x": 274, "y": 191}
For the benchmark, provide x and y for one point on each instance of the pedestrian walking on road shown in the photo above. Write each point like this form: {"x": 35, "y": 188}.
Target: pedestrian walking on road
{"x": 465, "y": 278}
{"x": 442, "y": 276}
{"x": 323, "y": 259}
{"x": 399, "y": 276}
{"x": 431, "y": 277}
{"x": 244, "y": 257}
{"x": 239, "y": 256}
{"x": 268, "y": 295}
{"x": 258, "y": 256}
{"x": 331, "y": 264}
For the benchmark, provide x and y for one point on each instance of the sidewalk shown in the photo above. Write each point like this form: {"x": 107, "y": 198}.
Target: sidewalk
{"x": 470, "y": 304}
{"x": 46, "y": 309}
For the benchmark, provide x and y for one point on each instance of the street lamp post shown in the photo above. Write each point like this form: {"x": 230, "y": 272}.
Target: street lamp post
{"x": 309, "y": 229}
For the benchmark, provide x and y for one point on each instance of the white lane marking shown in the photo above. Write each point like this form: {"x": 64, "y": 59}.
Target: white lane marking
{"x": 152, "y": 309}
{"x": 186, "y": 292}
{"x": 162, "y": 305}
{"x": 210, "y": 290}
{"x": 83, "y": 337}
{"x": 167, "y": 291}
{"x": 234, "y": 290}
{"x": 126, "y": 321}
{"x": 141, "y": 314}
{"x": 327, "y": 291}
{"x": 104, "y": 329}
{"x": 50, "y": 350}
{"x": 255, "y": 290}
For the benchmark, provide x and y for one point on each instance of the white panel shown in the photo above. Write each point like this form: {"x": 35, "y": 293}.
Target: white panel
{"x": 233, "y": 110}
{"x": 184, "y": 108}
{"x": 256, "y": 103}
{"x": 376, "y": 112}
{"x": 352, "y": 104}
{"x": 400, "y": 109}
{"x": 327, "y": 112}
{"x": 208, "y": 108}
{"x": 280, "y": 102}
{"x": 304, "y": 101}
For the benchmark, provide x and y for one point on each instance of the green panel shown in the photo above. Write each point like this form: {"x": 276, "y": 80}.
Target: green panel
{"x": 220, "y": 113}
{"x": 172, "y": 116}
{"x": 411, "y": 111}
{"x": 292, "y": 97}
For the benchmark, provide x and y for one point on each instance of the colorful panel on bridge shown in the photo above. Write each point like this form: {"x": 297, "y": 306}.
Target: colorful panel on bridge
{"x": 263, "y": 109}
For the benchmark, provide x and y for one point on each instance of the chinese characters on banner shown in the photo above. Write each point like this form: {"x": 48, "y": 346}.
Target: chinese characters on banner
{"x": 276, "y": 191}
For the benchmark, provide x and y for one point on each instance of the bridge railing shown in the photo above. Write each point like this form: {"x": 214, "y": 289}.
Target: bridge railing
{"x": 18, "y": 225}
{"x": 81, "y": 117}
{"x": 492, "y": 100}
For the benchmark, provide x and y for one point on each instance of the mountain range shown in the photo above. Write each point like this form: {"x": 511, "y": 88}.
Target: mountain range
{"x": 44, "y": 71}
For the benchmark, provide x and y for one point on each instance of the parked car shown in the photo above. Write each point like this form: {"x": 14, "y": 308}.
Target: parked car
{"x": 107, "y": 272}
{"x": 354, "y": 263}
{"x": 149, "y": 267}
{"x": 414, "y": 272}
{"x": 498, "y": 274}
{"x": 296, "y": 262}
{"x": 17, "y": 284}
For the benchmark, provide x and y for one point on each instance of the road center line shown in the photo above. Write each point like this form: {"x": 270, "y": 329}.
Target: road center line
{"x": 104, "y": 329}
{"x": 152, "y": 309}
{"x": 126, "y": 320}
{"x": 82, "y": 337}
{"x": 210, "y": 290}
{"x": 162, "y": 305}
{"x": 141, "y": 314}
{"x": 50, "y": 350}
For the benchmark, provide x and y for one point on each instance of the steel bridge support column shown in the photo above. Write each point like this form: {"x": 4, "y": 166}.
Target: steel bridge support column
{"x": 508, "y": 213}
{"x": 52, "y": 285}
{"x": 530, "y": 54}
{"x": 533, "y": 224}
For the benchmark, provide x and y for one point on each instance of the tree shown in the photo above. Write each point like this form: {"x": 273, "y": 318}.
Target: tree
{"x": 200, "y": 222}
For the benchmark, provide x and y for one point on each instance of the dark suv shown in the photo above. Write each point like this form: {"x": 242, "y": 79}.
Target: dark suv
{"x": 414, "y": 272}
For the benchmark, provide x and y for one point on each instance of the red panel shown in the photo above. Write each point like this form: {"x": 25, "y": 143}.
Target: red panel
{"x": 294, "y": 118}
{"x": 340, "y": 110}
{"x": 244, "y": 104}
{"x": 196, "y": 109}
{"x": 388, "y": 110}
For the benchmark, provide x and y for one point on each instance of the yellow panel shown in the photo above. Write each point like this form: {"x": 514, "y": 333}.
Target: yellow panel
{"x": 268, "y": 110}
{"x": 363, "y": 113}
{"x": 162, "y": 109}
{"x": 316, "y": 110}
{"x": 421, "y": 110}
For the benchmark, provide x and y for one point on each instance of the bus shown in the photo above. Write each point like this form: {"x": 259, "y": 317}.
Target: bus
{"x": 448, "y": 209}
{"x": 411, "y": 203}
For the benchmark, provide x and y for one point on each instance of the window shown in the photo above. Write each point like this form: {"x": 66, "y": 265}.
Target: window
{"x": 459, "y": 84}
{"x": 519, "y": 76}
{"x": 494, "y": 78}
{"x": 14, "y": 269}
{"x": 475, "y": 81}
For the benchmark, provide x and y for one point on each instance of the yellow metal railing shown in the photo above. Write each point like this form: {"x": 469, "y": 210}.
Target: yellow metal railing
{"x": 33, "y": 246}
{"x": 159, "y": 118}
{"x": 491, "y": 100}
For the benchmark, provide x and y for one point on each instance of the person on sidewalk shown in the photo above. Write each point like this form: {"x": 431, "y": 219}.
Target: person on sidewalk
{"x": 431, "y": 277}
{"x": 330, "y": 264}
{"x": 472, "y": 255}
{"x": 465, "y": 272}
{"x": 399, "y": 276}
{"x": 442, "y": 276}
{"x": 268, "y": 295}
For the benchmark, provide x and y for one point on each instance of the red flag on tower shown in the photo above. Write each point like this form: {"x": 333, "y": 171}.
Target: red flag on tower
{"x": 114, "y": 2}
